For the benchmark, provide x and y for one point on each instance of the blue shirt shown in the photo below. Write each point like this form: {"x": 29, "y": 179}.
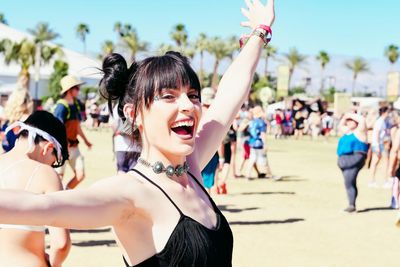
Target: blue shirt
{"x": 61, "y": 112}
{"x": 9, "y": 140}
{"x": 256, "y": 127}
{"x": 349, "y": 143}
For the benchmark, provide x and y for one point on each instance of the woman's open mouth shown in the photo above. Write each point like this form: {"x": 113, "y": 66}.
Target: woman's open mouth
{"x": 183, "y": 128}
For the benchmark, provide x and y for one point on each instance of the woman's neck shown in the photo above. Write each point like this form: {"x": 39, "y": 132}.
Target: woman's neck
{"x": 153, "y": 156}
{"x": 22, "y": 148}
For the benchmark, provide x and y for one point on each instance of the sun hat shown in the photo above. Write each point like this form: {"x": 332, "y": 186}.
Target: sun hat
{"x": 69, "y": 81}
{"x": 207, "y": 95}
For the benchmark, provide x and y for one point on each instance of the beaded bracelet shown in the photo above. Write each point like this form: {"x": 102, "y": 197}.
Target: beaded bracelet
{"x": 262, "y": 31}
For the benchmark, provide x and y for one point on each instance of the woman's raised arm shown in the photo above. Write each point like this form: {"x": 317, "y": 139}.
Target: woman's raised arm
{"x": 234, "y": 87}
{"x": 93, "y": 207}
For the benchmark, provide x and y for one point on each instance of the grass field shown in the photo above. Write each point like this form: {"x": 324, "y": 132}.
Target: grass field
{"x": 297, "y": 221}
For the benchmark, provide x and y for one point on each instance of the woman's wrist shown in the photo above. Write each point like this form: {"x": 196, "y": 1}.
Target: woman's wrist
{"x": 262, "y": 32}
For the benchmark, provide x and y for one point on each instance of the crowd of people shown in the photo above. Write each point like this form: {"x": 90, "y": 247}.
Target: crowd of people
{"x": 160, "y": 212}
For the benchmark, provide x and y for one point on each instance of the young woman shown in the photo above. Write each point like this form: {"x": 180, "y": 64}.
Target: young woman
{"x": 352, "y": 151}
{"x": 41, "y": 143}
{"x": 159, "y": 211}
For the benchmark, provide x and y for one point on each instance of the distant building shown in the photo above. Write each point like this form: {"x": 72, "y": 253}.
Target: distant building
{"x": 86, "y": 68}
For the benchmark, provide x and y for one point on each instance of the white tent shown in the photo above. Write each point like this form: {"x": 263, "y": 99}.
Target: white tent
{"x": 368, "y": 102}
{"x": 80, "y": 65}
{"x": 7, "y": 88}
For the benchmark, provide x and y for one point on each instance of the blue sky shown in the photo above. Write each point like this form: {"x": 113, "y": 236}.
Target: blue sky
{"x": 341, "y": 27}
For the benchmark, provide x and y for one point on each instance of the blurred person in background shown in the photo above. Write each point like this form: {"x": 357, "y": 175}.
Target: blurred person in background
{"x": 327, "y": 124}
{"x": 380, "y": 143}
{"x": 352, "y": 151}
{"x": 126, "y": 148}
{"x": 210, "y": 171}
{"x": 394, "y": 168}
{"x": 258, "y": 147}
{"x": 18, "y": 107}
{"x": 68, "y": 111}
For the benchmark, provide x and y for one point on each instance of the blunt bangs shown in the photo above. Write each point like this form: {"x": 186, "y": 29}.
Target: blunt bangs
{"x": 168, "y": 71}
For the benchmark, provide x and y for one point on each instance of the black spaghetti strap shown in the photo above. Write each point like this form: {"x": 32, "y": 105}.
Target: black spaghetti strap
{"x": 159, "y": 187}
{"x": 204, "y": 190}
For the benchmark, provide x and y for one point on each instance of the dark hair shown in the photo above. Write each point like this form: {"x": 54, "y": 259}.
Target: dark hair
{"x": 144, "y": 79}
{"x": 383, "y": 110}
{"x": 45, "y": 121}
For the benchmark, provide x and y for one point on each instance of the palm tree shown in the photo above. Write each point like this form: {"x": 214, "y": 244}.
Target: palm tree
{"x": 269, "y": 52}
{"x": 189, "y": 50}
{"x": 164, "y": 48}
{"x": 294, "y": 59}
{"x": 179, "y": 35}
{"x": 48, "y": 53}
{"x": 3, "y": 19}
{"x": 201, "y": 45}
{"x": 122, "y": 29}
{"x": 107, "y": 48}
{"x": 22, "y": 53}
{"x": 82, "y": 30}
{"x": 132, "y": 43}
{"x": 392, "y": 53}
{"x": 60, "y": 69}
{"x": 358, "y": 65}
{"x": 117, "y": 27}
{"x": 232, "y": 45}
{"x": 324, "y": 59}
{"x": 220, "y": 50}
{"x": 42, "y": 33}
{"x": 130, "y": 39}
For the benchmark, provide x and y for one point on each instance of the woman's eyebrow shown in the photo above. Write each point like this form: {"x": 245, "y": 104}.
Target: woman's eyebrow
{"x": 169, "y": 88}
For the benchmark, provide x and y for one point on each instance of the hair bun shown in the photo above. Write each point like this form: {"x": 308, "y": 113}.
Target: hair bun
{"x": 177, "y": 55}
{"x": 115, "y": 79}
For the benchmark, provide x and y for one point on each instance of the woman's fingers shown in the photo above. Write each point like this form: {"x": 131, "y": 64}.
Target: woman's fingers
{"x": 245, "y": 12}
{"x": 245, "y": 24}
{"x": 257, "y": 4}
{"x": 271, "y": 3}
{"x": 248, "y": 4}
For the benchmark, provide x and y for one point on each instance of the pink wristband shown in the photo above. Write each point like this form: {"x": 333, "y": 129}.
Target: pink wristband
{"x": 266, "y": 28}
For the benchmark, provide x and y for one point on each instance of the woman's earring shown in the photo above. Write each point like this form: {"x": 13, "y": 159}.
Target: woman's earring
{"x": 128, "y": 128}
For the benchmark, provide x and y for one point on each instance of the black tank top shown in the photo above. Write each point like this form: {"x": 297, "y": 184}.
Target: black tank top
{"x": 191, "y": 244}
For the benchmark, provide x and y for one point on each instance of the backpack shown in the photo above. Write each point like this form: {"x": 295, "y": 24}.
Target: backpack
{"x": 66, "y": 105}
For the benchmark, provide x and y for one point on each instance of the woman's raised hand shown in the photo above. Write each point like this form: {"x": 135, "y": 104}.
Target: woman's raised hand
{"x": 257, "y": 13}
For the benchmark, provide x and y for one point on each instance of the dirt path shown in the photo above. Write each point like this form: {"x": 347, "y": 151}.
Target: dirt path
{"x": 294, "y": 222}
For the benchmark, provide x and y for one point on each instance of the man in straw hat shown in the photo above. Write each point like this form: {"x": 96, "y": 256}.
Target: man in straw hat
{"x": 67, "y": 110}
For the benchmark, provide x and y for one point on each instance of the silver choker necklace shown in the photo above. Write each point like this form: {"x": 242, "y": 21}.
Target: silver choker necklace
{"x": 158, "y": 167}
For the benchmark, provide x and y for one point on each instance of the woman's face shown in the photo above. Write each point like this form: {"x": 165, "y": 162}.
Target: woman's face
{"x": 351, "y": 124}
{"x": 170, "y": 124}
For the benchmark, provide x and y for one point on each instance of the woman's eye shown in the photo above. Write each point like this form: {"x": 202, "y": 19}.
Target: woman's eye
{"x": 168, "y": 97}
{"x": 194, "y": 96}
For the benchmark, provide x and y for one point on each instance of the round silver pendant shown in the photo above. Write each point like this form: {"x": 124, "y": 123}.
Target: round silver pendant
{"x": 158, "y": 167}
{"x": 170, "y": 171}
{"x": 179, "y": 170}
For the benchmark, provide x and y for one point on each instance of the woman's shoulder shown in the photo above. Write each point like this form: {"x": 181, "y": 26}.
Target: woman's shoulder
{"x": 129, "y": 184}
{"x": 46, "y": 176}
